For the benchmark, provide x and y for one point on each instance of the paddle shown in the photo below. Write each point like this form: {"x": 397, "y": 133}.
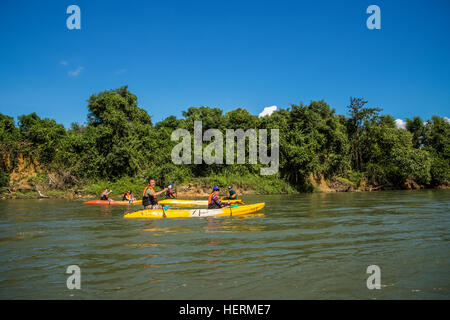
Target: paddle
{"x": 232, "y": 206}
{"x": 165, "y": 208}
{"x": 238, "y": 201}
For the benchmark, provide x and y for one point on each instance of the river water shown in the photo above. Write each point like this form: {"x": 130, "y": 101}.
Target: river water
{"x": 309, "y": 246}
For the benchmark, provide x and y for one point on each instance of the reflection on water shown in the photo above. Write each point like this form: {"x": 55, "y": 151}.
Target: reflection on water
{"x": 310, "y": 246}
{"x": 214, "y": 224}
{"x": 233, "y": 225}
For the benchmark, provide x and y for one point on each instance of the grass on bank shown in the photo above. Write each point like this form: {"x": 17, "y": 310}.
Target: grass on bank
{"x": 26, "y": 195}
{"x": 254, "y": 183}
{"x": 119, "y": 187}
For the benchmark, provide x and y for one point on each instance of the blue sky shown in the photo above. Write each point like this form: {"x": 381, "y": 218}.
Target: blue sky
{"x": 226, "y": 54}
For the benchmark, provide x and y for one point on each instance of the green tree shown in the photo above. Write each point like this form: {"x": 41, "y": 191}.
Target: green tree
{"x": 9, "y": 136}
{"x": 416, "y": 127}
{"x": 436, "y": 139}
{"x": 122, "y": 133}
{"x": 313, "y": 140}
{"x": 355, "y": 127}
{"x": 240, "y": 119}
{"x": 389, "y": 156}
{"x": 44, "y": 134}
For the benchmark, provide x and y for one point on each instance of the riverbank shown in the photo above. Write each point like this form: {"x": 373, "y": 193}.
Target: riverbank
{"x": 197, "y": 187}
{"x": 200, "y": 186}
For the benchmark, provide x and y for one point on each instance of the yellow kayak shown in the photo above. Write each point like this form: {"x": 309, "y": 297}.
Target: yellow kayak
{"x": 190, "y": 203}
{"x": 196, "y": 213}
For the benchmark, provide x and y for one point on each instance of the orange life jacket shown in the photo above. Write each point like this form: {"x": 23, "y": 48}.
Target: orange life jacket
{"x": 145, "y": 190}
{"x": 126, "y": 196}
{"x": 209, "y": 198}
{"x": 147, "y": 200}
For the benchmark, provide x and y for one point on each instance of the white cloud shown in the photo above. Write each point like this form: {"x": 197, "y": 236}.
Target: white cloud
{"x": 400, "y": 124}
{"x": 76, "y": 72}
{"x": 120, "y": 71}
{"x": 267, "y": 111}
{"x": 63, "y": 62}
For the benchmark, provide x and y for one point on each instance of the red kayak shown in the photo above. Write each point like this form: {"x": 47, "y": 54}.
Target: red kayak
{"x": 113, "y": 202}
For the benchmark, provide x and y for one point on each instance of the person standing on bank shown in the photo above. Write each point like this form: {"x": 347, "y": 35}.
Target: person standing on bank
{"x": 149, "y": 199}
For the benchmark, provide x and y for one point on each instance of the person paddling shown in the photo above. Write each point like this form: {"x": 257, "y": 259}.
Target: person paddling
{"x": 169, "y": 192}
{"x": 149, "y": 199}
{"x": 128, "y": 196}
{"x": 233, "y": 195}
{"x": 214, "y": 201}
{"x": 105, "y": 194}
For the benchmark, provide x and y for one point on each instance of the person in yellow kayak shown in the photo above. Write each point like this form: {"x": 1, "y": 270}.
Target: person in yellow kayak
{"x": 214, "y": 201}
{"x": 233, "y": 195}
{"x": 128, "y": 196}
{"x": 149, "y": 199}
{"x": 169, "y": 192}
{"x": 105, "y": 194}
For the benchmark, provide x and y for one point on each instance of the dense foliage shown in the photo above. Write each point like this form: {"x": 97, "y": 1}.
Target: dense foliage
{"x": 119, "y": 141}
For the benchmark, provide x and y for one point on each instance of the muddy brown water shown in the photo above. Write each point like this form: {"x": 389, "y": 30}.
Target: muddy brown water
{"x": 309, "y": 246}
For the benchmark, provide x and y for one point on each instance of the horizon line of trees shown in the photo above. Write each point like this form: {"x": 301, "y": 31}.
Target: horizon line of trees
{"x": 120, "y": 140}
